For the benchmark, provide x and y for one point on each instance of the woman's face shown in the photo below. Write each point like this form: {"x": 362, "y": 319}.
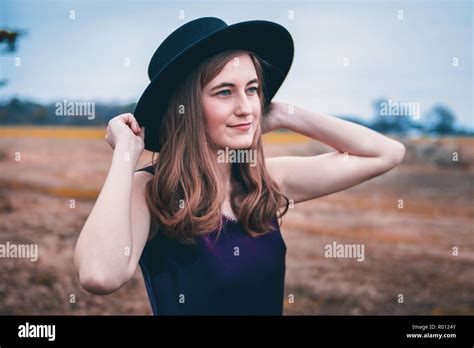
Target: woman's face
{"x": 231, "y": 104}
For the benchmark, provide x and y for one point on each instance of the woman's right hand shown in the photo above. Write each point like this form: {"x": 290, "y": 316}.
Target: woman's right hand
{"x": 125, "y": 129}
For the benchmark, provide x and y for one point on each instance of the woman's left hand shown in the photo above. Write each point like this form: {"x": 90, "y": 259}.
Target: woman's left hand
{"x": 271, "y": 119}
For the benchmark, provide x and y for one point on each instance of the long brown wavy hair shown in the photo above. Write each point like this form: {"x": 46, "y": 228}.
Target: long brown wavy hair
{"x": 184, "y": 197}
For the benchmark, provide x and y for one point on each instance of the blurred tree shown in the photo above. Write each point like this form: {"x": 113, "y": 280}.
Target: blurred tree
{"x": 9, "y": 39}
{"x": 440, "y": 120}
{"x": 39, "y": 115}
{"x": 8, "y": 44}
{"x": 387, "y": 122}
{"x": 16, "y": 106}
{"x": 17, "y": 111}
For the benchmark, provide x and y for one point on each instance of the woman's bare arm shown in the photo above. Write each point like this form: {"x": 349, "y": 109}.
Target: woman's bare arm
{"x": 114, "y": 234}
{"x": 360, "y": 155}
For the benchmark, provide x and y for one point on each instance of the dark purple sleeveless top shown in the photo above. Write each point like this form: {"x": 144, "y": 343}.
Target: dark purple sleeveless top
{"x": 237, "y": 275}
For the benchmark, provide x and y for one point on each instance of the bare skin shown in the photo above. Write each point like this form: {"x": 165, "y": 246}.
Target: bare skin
{"x": 114, "y": 235}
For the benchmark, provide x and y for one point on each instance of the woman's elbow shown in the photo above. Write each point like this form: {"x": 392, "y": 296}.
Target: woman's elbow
{"x": 394, "y": 155}
{"x": 398, "y": 153}
{"x": 99, "y": 284}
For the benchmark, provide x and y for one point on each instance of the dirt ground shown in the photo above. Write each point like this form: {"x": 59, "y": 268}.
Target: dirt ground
{"x": 408, "y": 251}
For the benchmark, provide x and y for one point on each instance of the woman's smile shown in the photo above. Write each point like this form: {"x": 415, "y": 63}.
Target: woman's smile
{"x": 242, "y": 127}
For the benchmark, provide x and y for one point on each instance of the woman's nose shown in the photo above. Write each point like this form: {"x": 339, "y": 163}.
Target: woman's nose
{"x": 243, "y": 105}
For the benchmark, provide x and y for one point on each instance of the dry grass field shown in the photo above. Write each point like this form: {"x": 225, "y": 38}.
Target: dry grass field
{"x": 408, "y": 251}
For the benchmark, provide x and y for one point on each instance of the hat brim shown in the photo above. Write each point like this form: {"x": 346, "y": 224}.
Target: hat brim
{"x": 269, "y": 40}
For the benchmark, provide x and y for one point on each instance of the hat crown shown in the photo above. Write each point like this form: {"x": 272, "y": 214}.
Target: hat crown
{"x": 183, "y": 37}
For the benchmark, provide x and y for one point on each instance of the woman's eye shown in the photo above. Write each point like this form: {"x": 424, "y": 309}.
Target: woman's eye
{"x": 225, "y": 90}
{"x": 255, "y": 89}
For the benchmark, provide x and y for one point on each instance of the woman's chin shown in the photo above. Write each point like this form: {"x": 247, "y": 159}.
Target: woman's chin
{"x": 237, "y": 144}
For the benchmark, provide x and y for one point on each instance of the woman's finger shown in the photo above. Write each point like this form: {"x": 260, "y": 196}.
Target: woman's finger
{"x": 141, "y": 134}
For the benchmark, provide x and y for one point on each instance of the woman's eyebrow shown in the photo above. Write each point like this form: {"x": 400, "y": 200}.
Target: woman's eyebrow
{"x": 228, "y": 84}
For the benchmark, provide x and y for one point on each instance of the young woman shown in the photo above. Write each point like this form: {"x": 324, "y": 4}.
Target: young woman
{"x": 202, "y": 224}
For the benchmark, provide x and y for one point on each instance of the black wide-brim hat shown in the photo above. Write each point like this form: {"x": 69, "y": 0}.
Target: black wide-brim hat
{"x": 192, "y": 43}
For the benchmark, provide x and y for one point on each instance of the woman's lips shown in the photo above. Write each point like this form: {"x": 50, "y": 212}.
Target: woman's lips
{"x": 242, "y": 127}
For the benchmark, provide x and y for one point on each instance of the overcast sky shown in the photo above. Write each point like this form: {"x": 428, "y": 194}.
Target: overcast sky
{"x": 407, "y": 59}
